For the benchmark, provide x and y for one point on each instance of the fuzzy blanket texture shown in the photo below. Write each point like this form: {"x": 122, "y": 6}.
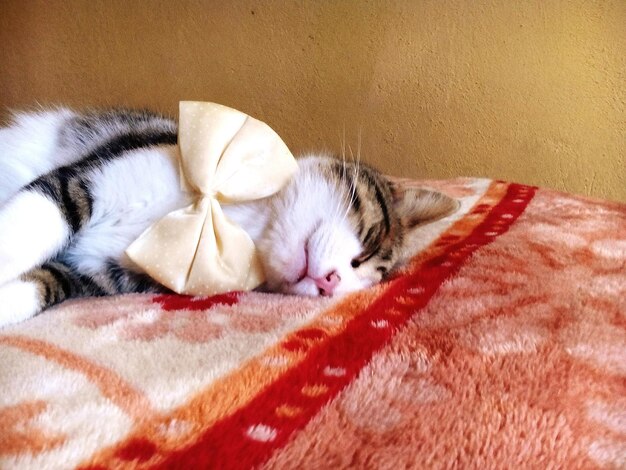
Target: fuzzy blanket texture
{"x": 502, "y": 344}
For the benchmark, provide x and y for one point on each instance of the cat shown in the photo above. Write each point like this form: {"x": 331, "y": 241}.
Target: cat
{"x": 77, "y": 188}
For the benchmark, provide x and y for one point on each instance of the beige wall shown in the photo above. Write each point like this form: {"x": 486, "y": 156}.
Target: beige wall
{"x": 532, "y": 91}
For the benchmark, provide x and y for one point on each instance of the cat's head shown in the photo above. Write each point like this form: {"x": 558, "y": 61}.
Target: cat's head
{"x": 339, "y": 227}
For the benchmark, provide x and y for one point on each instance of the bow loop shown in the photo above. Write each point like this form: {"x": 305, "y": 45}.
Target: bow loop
{"x": 225, "y": 156}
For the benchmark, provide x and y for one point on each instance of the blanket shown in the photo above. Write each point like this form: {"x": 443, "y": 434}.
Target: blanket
{"x": 501, "y": 344}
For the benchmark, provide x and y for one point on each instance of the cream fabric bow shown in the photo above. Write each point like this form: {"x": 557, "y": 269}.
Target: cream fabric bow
{"x": 225, "y": 156}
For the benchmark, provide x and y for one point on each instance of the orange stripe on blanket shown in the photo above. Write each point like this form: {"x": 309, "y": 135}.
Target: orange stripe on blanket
{"x": 111, "y": 385}
{"x": 148, "y": 444}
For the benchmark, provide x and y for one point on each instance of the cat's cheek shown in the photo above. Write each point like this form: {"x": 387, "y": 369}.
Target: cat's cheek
{"x": 358, "y": 279}
{"x": 351, "y": 282}
{"x": 282, "y": 259}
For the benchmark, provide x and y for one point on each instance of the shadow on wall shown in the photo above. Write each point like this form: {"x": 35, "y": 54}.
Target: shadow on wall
{"x": 532, "y": 92}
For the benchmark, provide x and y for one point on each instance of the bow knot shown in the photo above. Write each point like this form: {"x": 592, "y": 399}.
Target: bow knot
{"x": 224, "y": 157}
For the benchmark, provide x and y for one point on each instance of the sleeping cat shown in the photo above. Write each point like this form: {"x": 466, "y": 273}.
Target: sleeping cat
{"x": 77, "y": 189}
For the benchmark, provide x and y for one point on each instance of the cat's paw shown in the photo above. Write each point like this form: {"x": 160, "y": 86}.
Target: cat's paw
{"x": 19, "y": 300}
{"x": 32, "y": 230}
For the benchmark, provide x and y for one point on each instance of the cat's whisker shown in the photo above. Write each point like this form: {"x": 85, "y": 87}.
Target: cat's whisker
{"x": 343, "y": 150}
{"x": 343, "y": 145}
{"x": 355, "y": 177}
{"x": 348, "y": 203}
{"x": 337, "y": 216}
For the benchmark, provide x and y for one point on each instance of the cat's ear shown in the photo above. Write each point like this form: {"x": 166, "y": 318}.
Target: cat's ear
{"x": 421, "y": 206}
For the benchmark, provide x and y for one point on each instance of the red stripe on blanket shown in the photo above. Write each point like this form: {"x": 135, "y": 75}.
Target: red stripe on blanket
{"x": 184, "y": 302}
{"x": 250, "y": 435}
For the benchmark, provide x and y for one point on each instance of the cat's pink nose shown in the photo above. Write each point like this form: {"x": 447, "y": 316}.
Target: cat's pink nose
{"x": 328, "y": 283}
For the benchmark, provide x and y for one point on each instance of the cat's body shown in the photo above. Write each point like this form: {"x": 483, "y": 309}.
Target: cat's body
{"x": 77, "y": 189}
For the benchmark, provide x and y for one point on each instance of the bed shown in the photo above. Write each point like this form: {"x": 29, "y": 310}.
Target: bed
{"x": 502, "y": 344}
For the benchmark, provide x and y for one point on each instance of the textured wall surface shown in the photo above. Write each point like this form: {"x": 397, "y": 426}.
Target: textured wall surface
{"x": 528, "y": 91}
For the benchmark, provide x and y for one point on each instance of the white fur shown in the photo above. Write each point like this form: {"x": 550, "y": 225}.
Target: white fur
{"x": 19, "y": 300}
{"x": 32, "y": 229}
{"x": 28, "y": 149}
